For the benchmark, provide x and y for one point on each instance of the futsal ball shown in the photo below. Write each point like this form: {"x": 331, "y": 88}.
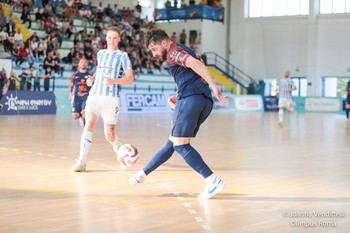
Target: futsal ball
{"x": 127, "y": 155}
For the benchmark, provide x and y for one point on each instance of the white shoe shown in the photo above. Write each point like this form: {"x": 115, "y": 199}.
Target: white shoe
{"x": 212, "y": 188}
{"x": 138, "y": 178}
{"x": 79, "y": 166}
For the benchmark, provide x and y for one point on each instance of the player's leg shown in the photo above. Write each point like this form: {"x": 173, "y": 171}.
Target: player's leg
{"x": 109, "y": 115}
{"x": 194, "y": 111}
{"x": 281, "y": 105}
{"x": 91, "y": 114}
{"x": 158, "y": 159}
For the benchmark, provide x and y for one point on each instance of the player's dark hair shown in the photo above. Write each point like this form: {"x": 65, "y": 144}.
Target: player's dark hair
{"x": 155, "y": 36}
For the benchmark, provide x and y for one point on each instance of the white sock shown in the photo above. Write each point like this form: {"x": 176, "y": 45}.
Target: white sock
{"x": 140, "y": 173}
{"x": 85, "y": 143}
{"x": 280, "y": 115}
{"x": 210, "y": 179}
{"x": 115, "y": 144}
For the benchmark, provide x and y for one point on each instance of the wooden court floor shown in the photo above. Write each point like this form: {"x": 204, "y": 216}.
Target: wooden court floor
{"x": 295, "y": 179}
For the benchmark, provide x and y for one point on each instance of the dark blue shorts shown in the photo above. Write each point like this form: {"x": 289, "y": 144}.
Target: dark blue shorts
{"x": 79, "y": 104}
{"x": 189, "y": 114}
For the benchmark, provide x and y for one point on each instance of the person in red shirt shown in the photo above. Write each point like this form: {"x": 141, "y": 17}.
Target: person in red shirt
{"x": 23, "y": 56}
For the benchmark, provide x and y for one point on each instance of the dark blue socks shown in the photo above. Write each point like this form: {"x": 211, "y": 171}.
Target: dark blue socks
{"x": 193, "y": 158}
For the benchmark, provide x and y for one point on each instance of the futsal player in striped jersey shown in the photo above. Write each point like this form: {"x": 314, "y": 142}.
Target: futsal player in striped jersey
{"x": 192, "y": 106}
{"x": 113, "y": 69}
{"x": 285, "y": 88}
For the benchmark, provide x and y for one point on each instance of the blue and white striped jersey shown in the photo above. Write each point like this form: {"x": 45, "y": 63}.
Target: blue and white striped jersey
{"x": 112, "y": 64}
{"x": 283, "y": 84}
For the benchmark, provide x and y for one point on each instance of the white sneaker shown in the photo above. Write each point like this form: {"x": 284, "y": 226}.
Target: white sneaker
{"x": 212, "y": 188}
{"x": 138, "y": 178}
{"x": 79, "y": 166}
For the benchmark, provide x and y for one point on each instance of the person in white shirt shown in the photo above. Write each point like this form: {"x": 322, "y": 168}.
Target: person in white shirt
{"x": 18, "y": 36}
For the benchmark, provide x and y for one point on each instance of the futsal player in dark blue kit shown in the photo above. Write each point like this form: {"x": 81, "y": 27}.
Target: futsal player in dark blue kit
{"x": 192, "y": 106}
{"x": 79, "y": 90}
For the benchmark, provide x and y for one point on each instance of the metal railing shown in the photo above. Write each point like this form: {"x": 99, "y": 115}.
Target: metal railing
{"x": 224, "y": 66}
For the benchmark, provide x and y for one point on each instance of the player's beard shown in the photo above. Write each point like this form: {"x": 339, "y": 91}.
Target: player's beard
{"x": 162, "y": 57}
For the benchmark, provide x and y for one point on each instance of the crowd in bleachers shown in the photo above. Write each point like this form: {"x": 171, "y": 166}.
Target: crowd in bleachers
{"x": 59, "y": 24}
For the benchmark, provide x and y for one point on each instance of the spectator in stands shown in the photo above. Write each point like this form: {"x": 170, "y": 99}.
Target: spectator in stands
{"x": 175, "y": 4}
{"x": 9, "y": 17}
{"x": 39, "y": 17}
{"x": 42, "y": 47}
{"x": 192, "y": 3}
{"x": 135, "y": 61}
{"x": 30, "y": 77}
{"x": 87, "y": 16}
{"x": 48, "y": 76}
{"x": 35, "y": 34}
{"x": 48, "y": 61}
{"x": 59, "y": 10}
{"x": 108, "y": 11}
{"x": 11, "y": 26}
{"x": 75, "y": 61}
{"x": 33, "y": 48}
{"x": 39, "y": 75}
{"x": 23, "y": 55}
{"x": 167, "y": 4}
{"x": 25, "y": 17}
{"x": 69, "y": 57}
{"x": 4, "y": 39}
{"x": 59, "y": 67}
{"x": 23, "y": 78}
{"x": 18, "y": 36}
{"x": 100, "y": 17}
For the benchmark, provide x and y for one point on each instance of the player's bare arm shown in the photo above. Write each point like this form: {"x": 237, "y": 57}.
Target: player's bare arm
{"x": 127, "y": 79}
{"x": 199, "y": 67}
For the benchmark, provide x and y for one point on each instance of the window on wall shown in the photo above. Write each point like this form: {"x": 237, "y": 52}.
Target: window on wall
{"x": 272, "y": 8}
{"x": 301, "y": 84}
{"x": 334, "y": 6}
{"x": 334, "y": 86}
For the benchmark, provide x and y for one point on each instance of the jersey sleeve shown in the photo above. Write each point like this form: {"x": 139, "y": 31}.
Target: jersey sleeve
{"x": 126, "y": 62}
{"x": 177, "y": 56}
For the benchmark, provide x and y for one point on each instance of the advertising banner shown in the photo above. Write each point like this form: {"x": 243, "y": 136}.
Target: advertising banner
{"x": 322, "y": 104}
{"x": 28, "y": 102}
{"x": 144, "y": 102}
{"x": 248, "y": 103}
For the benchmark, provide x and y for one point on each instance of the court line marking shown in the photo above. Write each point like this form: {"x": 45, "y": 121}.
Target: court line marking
{"x": 268, "y": 185}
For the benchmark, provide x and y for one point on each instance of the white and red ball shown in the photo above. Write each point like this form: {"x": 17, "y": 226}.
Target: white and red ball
{"x": 127, "y": 155}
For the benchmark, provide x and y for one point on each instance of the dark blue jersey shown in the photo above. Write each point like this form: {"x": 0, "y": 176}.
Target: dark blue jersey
{"x": 80, "y": 88}
{"x": 188, "y": 82}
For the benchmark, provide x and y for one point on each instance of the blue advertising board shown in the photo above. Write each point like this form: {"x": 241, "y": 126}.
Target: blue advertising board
{"x": 28, "y": 102}
{"x": 190, "y": 12}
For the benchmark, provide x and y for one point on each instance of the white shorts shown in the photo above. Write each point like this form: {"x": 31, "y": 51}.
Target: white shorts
{"x": 286, "y": 103}
{"x": 106, "y": 106}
